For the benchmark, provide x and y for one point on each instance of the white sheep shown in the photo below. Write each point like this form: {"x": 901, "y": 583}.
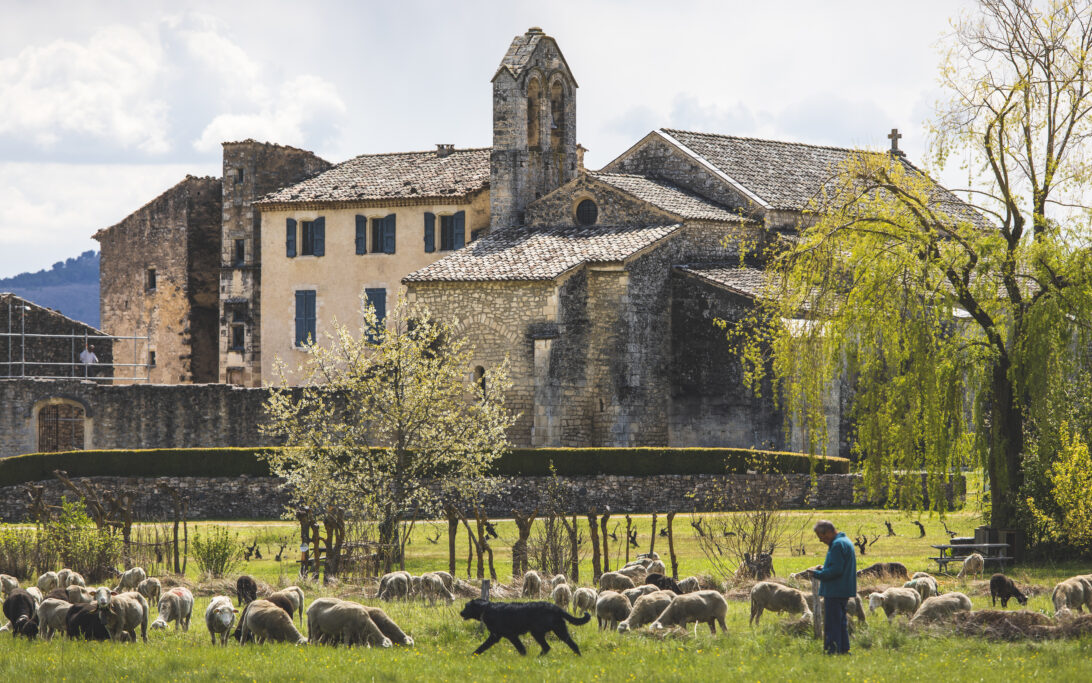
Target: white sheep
{"x": 8, "y": 583}
{"x": 558, "y": 580}
{"x": 646, "y": 609}
{"x": 614, "y": 581}
{"x": 294, "y": 595}
{"x": 974, "y": 564}
{"x": 262, "y": 620}
{"x": 775, "y": 597}
{"x": 895, "y": 601}
{"x": 388, "y": 627}
{"x": 78, "y": 595}
{"x": 635, "y": 573}
{"x": 175, "y": 605}
{"x": 219, "y": 618}
{"x": 1072, "y": 594}
{"x": 330, "y": 620}
{"x": 433, "y": 589}
{"x": 47, "y": 582}
{"x": 36, "y": 593}
{"x": 67, "y": 577}
{"x": 562, "y": 595}
{"x": 123, "y": 613}
{"x": 689, "y": 584}
{"x": 649, "y": 556}
{"x": 394, "y": 586}
{"x": 707, "y": 607}
{"x": 940, "y": 607}
{"x": 656, "y": 567}
{"x": 532, "y": 584}
{"x": 129, "y": 580}
{"x": 923, "y": 575}
{"x": 51, "y": 617}
{"x": 584, "y": 599}
{"x": 611, "y": 608}
{"x": 633, "y": 594}
{"x": 151, "y": 589}
{"x": 926, "y": 587}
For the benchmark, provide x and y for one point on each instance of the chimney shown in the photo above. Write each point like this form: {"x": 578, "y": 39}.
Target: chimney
{"x": 580, "y": 149}
{"x": 443, "y": 150}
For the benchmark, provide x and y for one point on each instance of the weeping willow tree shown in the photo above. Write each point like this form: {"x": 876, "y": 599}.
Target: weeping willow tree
{"x": 962, "y": 327}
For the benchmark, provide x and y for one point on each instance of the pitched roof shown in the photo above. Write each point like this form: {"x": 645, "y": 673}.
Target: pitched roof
{"x": 743, "y": 280}
{"x": 669, "y": 197}
{"x": 540, "y": 253}
{"x": 402, "y": 175}
{"x": 519, "y": 54}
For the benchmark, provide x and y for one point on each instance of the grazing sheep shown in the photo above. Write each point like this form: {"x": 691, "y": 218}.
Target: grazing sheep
{"x": 414, "y": 585}
{"x": 36, "y": 593}
{"x": 176, "y": 605}
{"x": 1002, "y": 587}
{"x": 940, "y": 607}
{"x": 611, "y": 608}
{"x": 649, "y": 556}
{"x": 558, "y": 580}
{"x": 562, "y": 595}
{"x": 532, "y": 584}
{"x": 656, "y": 567}
{"x": 78, "y": 595}
{"x": 128, "y": 581}
{"x": 926, "y": 575}
{"x": 584, "y": 599}
{"x": 448, "y": 579}
{"x": 52, "y": 614}
{"x": 881, "y": 569}
{"x": 702, "y": 607}
{"x": 294, "y": 595}
{"x": 689, "y": 585}
{"x": 394, "y": 586}
{"x": 664, "y": 583}
{"x": 262, "y": 620}
{"x": 854, "y": 608}
{"x": 246, "y": 590}
{"x": 67, "y": 577}
{"x": 123, "y": 613}
{"x": 634, "y": 593}
{"x": 974, "y": 564}
{"x": 47, "y": 582}
{"x": 388, "y": 627}
{"x": 82, "y": 621}
{"x": 646, "y": 609}
{"x": 895, "y": 601}
{"x": 805, "y": 575}
{"x": 766, "y": 595}
{"x": 926, "y": 588}
{"x": 343, "y": 621}
{"x": 151, "y": 589}
{"x": 219, "y": 618}
{"x": 1072, "y": 594}
{"x": 8, "y": 583}
{"x": 433, "y": 589}
{"x": 614, "y": 581}
{"x": 635, "y": 573}
{"x": 20, "y": 609}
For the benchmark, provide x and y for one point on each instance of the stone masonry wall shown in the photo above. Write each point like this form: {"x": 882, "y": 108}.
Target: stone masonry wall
{"x": 264, "y": 498}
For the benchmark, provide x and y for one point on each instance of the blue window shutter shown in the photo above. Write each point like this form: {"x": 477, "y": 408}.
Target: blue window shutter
{"x": 301, "y": 317}
{"x": 320, "y": 236}
{"x": 361, "y": 235}
{"x": 378, "y": 299}
{"x": 290, "y": 238}
{"x": 459, "y": 236}
{"x": 430, "y": 232}
{"x": 388, "y": 234}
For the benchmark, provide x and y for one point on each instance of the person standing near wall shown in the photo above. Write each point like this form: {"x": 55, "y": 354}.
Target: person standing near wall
{"x": 837, "y": 584}
{"x": 89, "y": 359}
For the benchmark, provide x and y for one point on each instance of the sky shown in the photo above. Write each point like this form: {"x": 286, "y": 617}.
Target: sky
{"x": 105, "y": 105}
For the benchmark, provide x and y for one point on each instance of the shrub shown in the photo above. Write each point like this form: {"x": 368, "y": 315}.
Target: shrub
{"x": 74, "y": 541}
{"x": 22, "y": 553}
{"x": 217, "y": 554}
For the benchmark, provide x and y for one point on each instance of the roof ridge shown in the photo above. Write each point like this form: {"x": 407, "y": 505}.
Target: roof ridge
{"x": 779, "y": 142}
{"x": 456, "y": 150}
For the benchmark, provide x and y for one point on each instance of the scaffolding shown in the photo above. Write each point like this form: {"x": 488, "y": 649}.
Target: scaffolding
{"x": 99, "y": 372}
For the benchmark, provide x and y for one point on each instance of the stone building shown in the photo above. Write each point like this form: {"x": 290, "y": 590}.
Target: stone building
{"x": 36, "y": 341}
{"x": 158, "y": 279}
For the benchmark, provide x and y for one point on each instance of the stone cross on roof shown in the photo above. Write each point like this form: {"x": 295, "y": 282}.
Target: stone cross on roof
{"x": 894, "y": 136}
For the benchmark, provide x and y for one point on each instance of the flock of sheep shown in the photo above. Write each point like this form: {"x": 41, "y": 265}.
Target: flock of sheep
{"x": 637, "y": 595}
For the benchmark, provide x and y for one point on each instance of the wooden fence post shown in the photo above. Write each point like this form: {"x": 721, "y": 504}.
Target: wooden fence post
{"x": 817, "y": 613}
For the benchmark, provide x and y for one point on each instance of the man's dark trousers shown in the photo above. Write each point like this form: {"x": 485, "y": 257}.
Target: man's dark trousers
{"x": 835, "y": 626}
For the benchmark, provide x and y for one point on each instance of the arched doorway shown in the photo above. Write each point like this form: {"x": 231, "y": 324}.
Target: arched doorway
{"x": 61, "y": 427}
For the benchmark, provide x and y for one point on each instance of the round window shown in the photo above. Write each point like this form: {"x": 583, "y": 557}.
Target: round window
{"x": 587, "y": 212}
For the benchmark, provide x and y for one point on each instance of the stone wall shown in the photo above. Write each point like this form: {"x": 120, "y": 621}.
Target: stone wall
{"x": 29, "y": 356}
{"x": 263, "y": 497}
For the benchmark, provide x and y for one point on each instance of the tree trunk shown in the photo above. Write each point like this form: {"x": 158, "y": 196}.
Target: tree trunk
{"x": 519, "y": 548}
{"x": 594, "y": 532}
{"x": 452, "y": 532}
{"x": 177, "y": 520}
{"x": 1005, "y": 467}
{"x": 574, "y": 549}
{"x": 606, "y": 550}
{"x": 671, "y": 545}
{"x": 652, "y": 539}
{"x": 629, "y": 523}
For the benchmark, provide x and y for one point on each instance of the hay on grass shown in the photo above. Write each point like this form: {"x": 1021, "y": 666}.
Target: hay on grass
{"x": 1001, "y": 625}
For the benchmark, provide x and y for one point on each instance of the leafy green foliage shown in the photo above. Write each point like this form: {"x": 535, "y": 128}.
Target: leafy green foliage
{"x": 74, "y": 541}
{"x": 217, "y": 553}
{"x": 1066, "y": 517}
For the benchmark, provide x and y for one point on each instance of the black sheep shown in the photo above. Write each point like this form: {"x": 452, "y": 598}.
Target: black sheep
{"x": 20, "y": 608}
{"x": 246, "y": 590}
{"x": 82, "y": 621}
{"x": 881, "y": 569}
{"x": 664, "y": 583}
{"x": 1002, "y": 587}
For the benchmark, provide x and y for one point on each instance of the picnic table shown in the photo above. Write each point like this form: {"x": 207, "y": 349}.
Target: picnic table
{"x": 990, "y": 552}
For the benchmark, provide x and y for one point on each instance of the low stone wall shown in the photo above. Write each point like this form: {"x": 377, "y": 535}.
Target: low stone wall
{"x": 264, "y": 498}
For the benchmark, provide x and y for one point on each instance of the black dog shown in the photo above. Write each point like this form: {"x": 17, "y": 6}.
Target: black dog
{"x": 512, "y": 619}
{"x": 664, "y": 583}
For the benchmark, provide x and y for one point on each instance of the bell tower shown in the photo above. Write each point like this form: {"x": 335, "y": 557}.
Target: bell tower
{"x": 534, "y": 127}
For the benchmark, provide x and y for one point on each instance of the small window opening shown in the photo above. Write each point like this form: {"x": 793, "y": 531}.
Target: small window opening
{"x": 479, "y": 379}
{"x": 239, "y": 175}
{"x": 307, "y": 238}
{"x": 238, "y": 329}
{"x": 150, "y": 281}
{"x": 151, "y": 359}
{"x": 587, "y": 213}
{"x": 240, "y": 252}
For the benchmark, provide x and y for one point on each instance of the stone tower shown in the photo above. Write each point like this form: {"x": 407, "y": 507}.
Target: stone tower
{"x": 534, "y": 126}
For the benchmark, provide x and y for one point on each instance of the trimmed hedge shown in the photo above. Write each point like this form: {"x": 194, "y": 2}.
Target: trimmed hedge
{"x": 233, "y": 462}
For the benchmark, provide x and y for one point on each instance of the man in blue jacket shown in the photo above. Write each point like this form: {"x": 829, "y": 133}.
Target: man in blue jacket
{"x": 837, "y": 584}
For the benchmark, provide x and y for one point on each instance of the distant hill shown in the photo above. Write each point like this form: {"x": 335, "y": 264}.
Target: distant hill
{"x": 70, "y": 286}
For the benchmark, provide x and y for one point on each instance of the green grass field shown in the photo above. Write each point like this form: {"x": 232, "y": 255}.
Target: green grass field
{"x": 444, "y": 641}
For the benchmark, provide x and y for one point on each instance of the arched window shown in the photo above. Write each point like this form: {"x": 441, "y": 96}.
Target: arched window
{"x": 557, "y": 114}
{"x": 534, "y": 97}
{"x": 479, "y": 378}
{"x": 587, "y": 213}
{"x": 60, "y": 427}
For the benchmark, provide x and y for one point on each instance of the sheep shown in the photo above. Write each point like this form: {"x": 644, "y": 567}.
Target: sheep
{"x": 634, "y": 593}
{"x": 634, "y": 573}
{"x": 20, "y": 609}
{"x": 294, "y": 595}
{"x": 123, "y": 613}
{"x": 611, "y": 608}
{"x": 58, "y": 594}
{"x": 926, "y": 588}
{"x": 939, "y": 607}
{"x": 662, "y": 582}
{"x": 332, "y": 620}
{"x": 1002, "y": 587}
{"x": 448, "y": 579}
{"x": 926, "y": 575}
{"x": 262, "y": 620}
{"x": 1071, "y": 594}
{"x": 78, "y": 595}
{"x": 47, "y": 582}
{"x": 176, "y": 605}
{"x": 151, "y": 589}
{"x": 532, "y": 584}
{"x": 52, "y": 614}
{"x": 882, "y": 569}
{"x": 67, "y": 577}
{"x": 584, "y": 599}
{"x": 36, "y": 593}
{"x": 805, "y": 575}
{"x": 646, "y": 609}
{"x": 704, "y": 606}
{"x": 558, "y": 580}
{"x": 656, "y": 567}
{"x": 128, "y": 581}
{"x": 414, "y": 585}
{"x": 394, "y": 586}
{"x": 562, "y": 595}
{"x": 102, "y": 596}
{"x": 83, "y": 621}
{"x": 767, "y": 595}
{"x": 689, "y": 585}
{"x": 614, "y": 581}
{"x": 388, "y": 627}
{"x": 246, "y": 590}
{"x": 649, "y": 556}
{"x": 895, "y": 601}
{"x": 433, "y": 588}
{"x": 974, "y": 564}
{"x": 219, "y": 618}
{"x": 8, "y": 583}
